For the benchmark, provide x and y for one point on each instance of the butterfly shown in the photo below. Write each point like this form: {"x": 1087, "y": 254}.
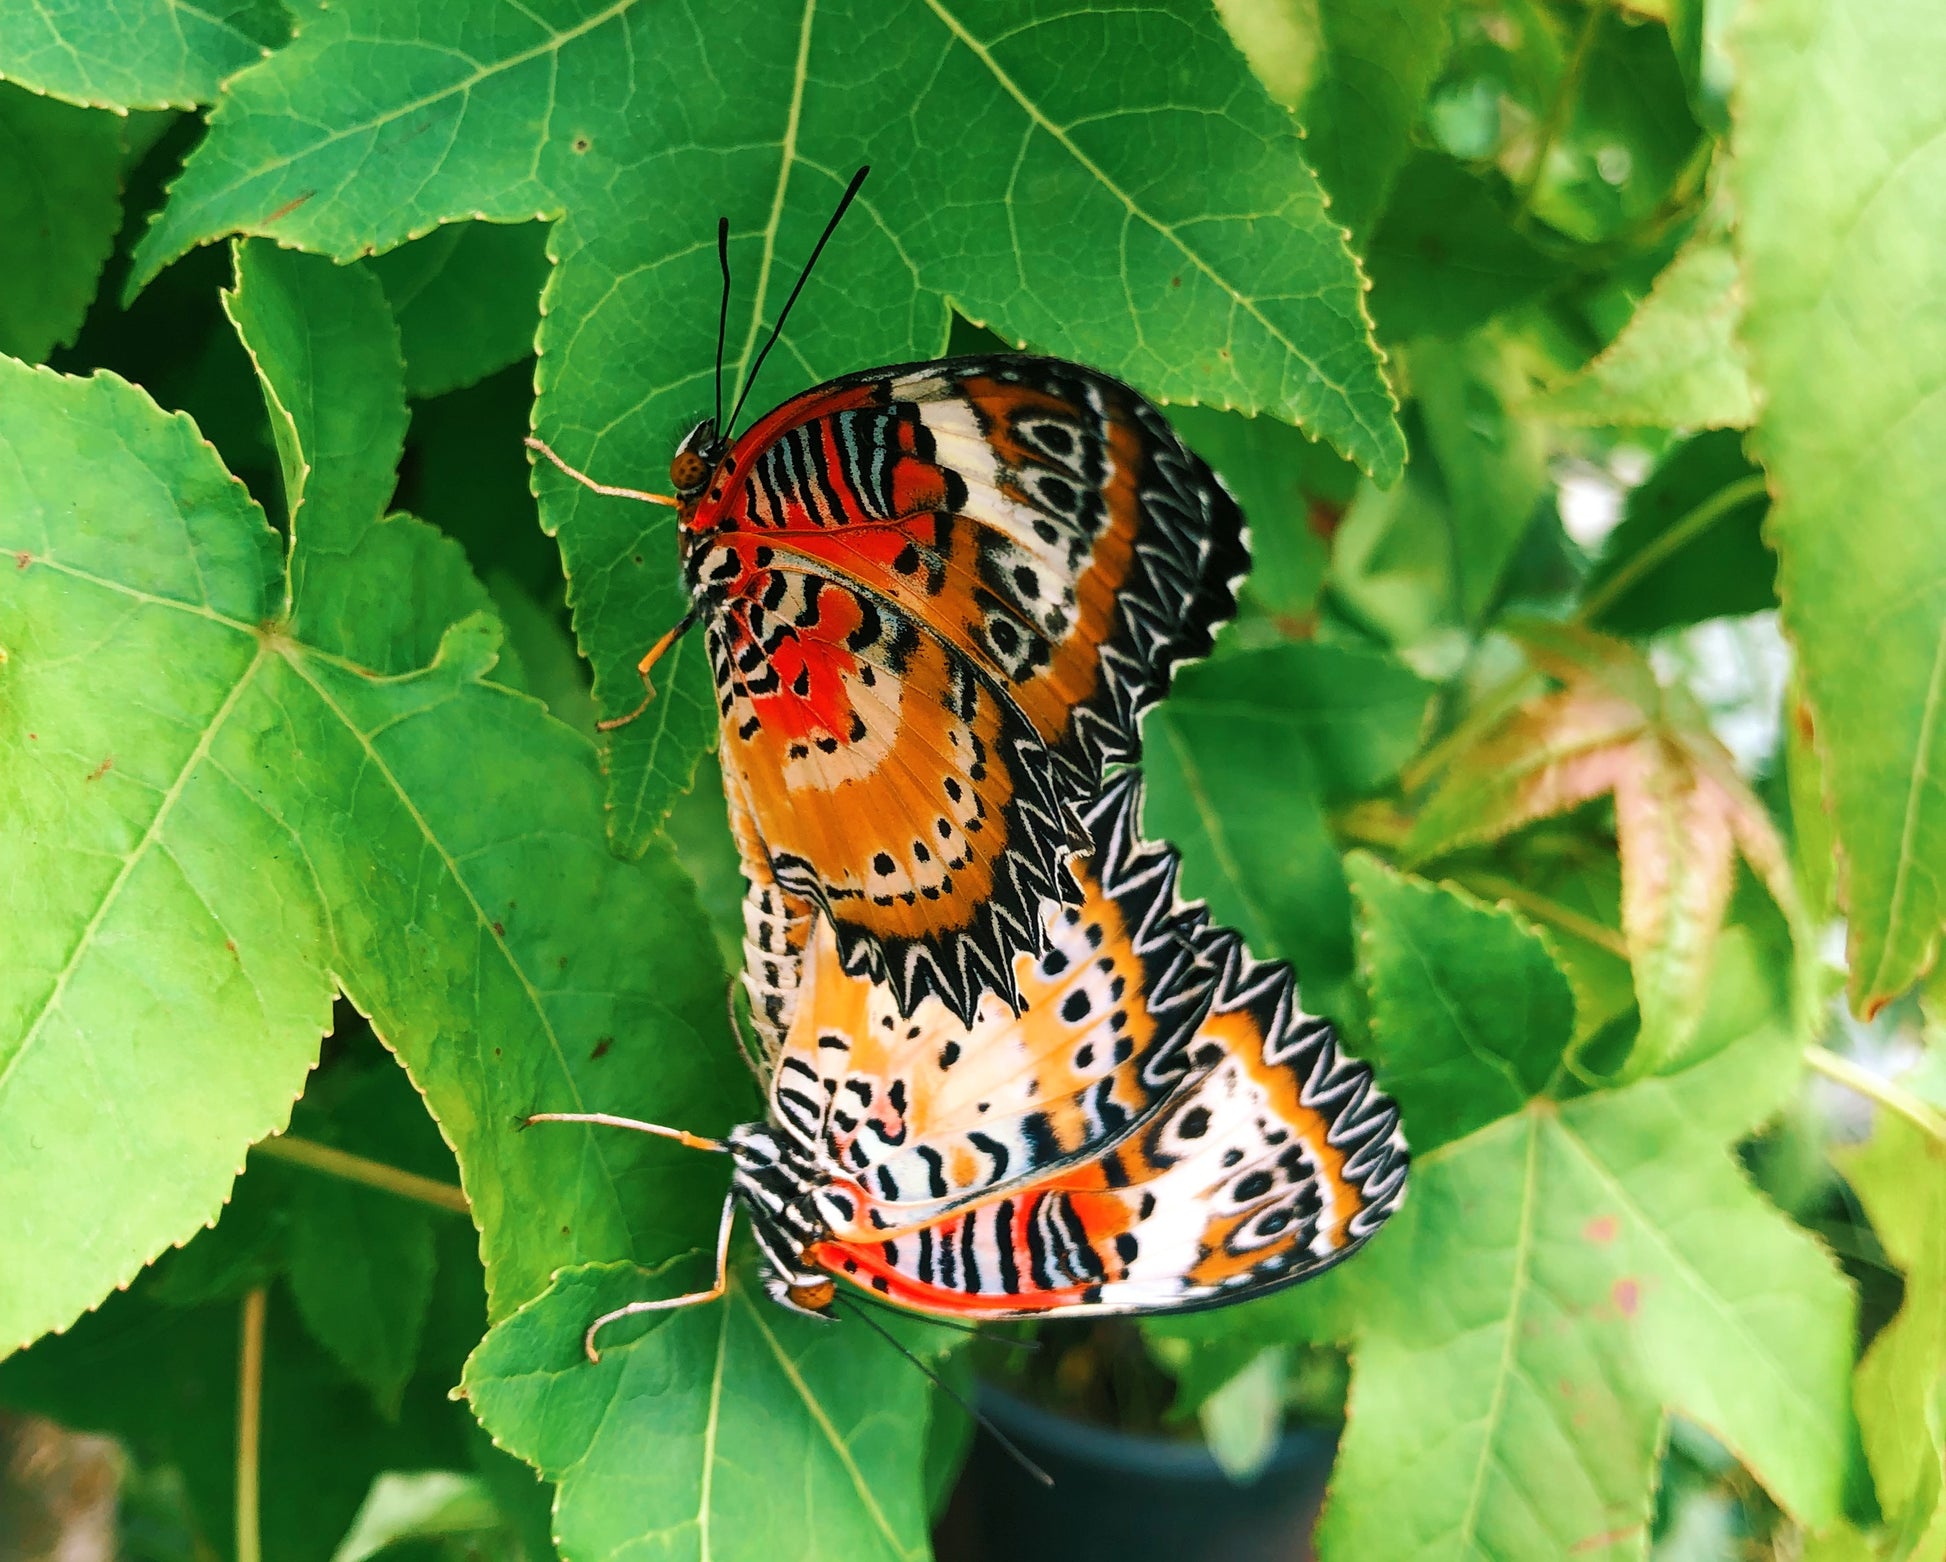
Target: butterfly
{"x": 1160, "y": 1128}
{"x": 937, "y": 598}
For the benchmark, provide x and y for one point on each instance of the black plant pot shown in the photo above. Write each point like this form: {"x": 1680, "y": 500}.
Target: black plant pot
{"x": 1125, "y": 1497}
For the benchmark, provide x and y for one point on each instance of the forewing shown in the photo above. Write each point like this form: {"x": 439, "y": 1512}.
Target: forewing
{"x": 1041, "y": 528}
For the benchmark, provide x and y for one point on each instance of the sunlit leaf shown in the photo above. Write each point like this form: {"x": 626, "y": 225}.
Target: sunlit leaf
{"x": 1838, "y": 173}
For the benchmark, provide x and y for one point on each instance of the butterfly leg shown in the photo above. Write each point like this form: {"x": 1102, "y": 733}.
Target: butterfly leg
{"x": 588, "y": 482}
{"x": 644, "y": 667}
{"x": 608, "y": 1120}
{"x": 670, "y": 1303}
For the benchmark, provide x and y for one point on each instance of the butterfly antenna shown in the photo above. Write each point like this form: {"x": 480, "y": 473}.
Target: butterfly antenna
{"x": 954, "y": 1395}
{"x": 948, "y": 1323}
{"x": 803, "y": 276}
{"x": 722, "y": 311}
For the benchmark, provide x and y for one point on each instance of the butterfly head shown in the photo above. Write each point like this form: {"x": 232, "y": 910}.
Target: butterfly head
{"x": 696, "y": 461}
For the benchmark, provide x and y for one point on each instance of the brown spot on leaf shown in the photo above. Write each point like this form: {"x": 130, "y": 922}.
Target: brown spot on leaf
{"x": 100, "y": 770}
{"x": 1175, "y": 281}
{"x": 1627, "y": 1296}
{"x": 230, "y": 944}
{"x": 582, "y": 143}
{"x": 23, "y": 559}
{"x": 1601, "y": 1229}
{"x": 499, "y": 931}
{"x": 287, "y": 208}
{"x": 601, "y": 1047}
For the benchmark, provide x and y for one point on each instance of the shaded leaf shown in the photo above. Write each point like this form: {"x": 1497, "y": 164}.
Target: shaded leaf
{"x": 136, "y": 54}
{"x": 1628, "y": 136}
{"x": 1491, "y": 462}
{"x": 467, "y": 300}
{"x": 1559, "y": 1281}
{"x": 164, "y": 1380}
{"x": 683, "y": 1432}
{"x": 1838, "y": 169}
{"x": 1355, "y": 73}
{"x": 60, "y": 205}
{"x": 1445, "y": 257}
{"x": 1682, "y": 813}
{"x": 1690, "y": 545}
{"x": 1677, "y": 363}
{"x": 1289, "y": 487}
{"x": 380, "y": 592}
{"x": 1242, "y": 758}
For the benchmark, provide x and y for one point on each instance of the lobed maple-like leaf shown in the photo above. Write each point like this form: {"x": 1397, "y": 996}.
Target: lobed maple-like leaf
{"x": 234, "y": 784}
{"x": 1840, "y": 186}
{"x": 1682, "y": 813}
{"x": 1569, "y": 1269}
{"x": 1157, "y": 220}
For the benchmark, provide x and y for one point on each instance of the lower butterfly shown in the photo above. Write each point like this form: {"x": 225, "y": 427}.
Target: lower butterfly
{"x": 1160, "y": 1128}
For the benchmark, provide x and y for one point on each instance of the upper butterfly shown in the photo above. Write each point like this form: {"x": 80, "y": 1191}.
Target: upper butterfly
{"x": 937, "y": 599}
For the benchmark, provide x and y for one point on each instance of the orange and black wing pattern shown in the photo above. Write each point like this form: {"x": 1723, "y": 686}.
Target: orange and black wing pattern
{"x": 909, "y": 1117}
{"x": 1277, "y": 1158}
{"x": 938, "y": 598}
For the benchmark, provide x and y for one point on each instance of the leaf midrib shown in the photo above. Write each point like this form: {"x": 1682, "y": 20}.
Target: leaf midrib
{"x": 823, "y": 1423}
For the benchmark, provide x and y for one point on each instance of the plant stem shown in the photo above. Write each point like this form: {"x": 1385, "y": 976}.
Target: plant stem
{"x": 249, "y": 1428}
{"x": 1883, "y": 1091}
{"x": 1699, "y": 520}
{"x": 1557, "y": 110}
{"x": 373, "y": 1174}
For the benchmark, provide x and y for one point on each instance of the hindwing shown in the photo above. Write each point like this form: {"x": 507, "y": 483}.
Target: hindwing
{"x": 1275, "y": 1158}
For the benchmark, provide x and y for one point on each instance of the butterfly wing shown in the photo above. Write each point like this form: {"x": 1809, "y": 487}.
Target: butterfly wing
{"x": 1277, "y": 1158}
{"x": 908, "y": 1117}
{"x": 1022, "y": 550}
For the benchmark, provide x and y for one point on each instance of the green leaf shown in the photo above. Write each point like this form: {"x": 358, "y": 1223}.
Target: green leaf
{"x": 1282, "y": 480}
{"x": 730, "y": 1430}
{"x": 1057, "y": 227}
{"x": 60, "y": 204}
{"x": 361, "y": 1270}
{"x": 1628, "y": 138}
{"x": 1356, "y": 74}
{"x": 1900, "y": 1177}
{"x": 1241, "y": 759}
{"x": 212, "y": 824}
{"x": 1690, "y": 544}
{"x": 1445, "y": 257}
{"x": 1677, "y": 363}
{"x": 426, "y": 1505}
{"x": 361, "y": 1260}
{"x": 133, "y": 915}
{"x": 467, "y": 299}
{"x": 136, "y": 54}
{"x": 1837, "y": 170}
{"x": 378, "y": 592}
{"x": 1491, "y": 462}
{"x": 1560, "y": 1280}
{"x": 1469, "y": 1012}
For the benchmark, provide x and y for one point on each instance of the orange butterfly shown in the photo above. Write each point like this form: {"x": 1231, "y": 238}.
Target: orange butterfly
{"x": 1161, "y": 1127}
{"x": 937, "y": 599}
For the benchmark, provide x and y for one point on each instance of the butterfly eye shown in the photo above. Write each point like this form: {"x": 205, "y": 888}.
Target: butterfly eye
{"x": 695, "y": 459}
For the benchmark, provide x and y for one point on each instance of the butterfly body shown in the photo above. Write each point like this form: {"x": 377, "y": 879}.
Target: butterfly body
{"x": 937, "y": 599}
